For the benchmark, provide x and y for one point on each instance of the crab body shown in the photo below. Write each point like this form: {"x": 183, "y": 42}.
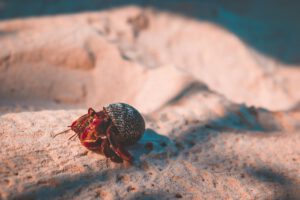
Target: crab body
{"x": 111, "y": 130}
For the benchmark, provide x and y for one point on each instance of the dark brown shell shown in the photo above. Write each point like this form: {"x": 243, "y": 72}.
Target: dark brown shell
{"x": 127, "y": 120}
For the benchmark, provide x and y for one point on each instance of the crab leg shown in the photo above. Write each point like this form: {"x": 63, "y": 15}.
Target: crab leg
{"x": 117, "y": 147}
{"x": 108, "y": 152}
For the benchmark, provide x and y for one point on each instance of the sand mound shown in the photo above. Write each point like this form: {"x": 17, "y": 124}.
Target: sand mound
{"x": 119, "y": 55}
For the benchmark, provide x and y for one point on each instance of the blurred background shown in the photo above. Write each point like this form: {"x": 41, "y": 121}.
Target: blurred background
{"x": 91, "y": 52}
{"x": 270, "y": 26}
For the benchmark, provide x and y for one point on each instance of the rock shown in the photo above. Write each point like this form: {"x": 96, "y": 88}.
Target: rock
{"x": 215, "y": 149}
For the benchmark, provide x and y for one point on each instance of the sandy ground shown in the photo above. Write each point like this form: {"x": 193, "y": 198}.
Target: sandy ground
{"x": 224, "y": 125}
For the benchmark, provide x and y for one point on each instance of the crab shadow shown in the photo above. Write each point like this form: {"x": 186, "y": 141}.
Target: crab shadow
{"x": 151, "y": 142}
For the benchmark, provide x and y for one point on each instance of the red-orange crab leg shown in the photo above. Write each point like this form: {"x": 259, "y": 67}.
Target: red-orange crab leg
{"x": 117, "y": 147}
{"x": 109, "y": 153}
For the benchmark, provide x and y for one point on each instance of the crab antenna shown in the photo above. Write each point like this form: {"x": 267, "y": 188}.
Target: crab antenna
{"x": 73, "y": 136}
{"x": 61, "y": 132}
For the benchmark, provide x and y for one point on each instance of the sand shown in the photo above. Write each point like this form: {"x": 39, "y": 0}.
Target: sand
{"x": 223, "y": 125}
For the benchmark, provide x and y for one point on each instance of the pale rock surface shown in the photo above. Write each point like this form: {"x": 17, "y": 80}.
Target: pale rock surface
{"x": 183, "y": 75}
{"x": 208, "y": 150}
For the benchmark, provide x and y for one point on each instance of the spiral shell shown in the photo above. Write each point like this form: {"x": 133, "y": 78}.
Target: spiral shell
{"x": 127, "y": 120}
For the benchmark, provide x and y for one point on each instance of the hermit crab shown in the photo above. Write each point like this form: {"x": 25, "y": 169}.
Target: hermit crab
{"x": 110, "y": 130}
